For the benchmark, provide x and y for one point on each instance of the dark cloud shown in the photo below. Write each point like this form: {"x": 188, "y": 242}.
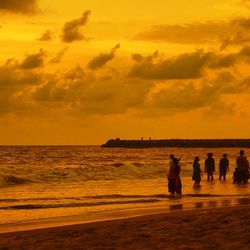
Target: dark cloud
{"x": 183, "y": 96}
{"x": 83, "y": 92}
{"x": 137, "y": 57}
{"x": 46, "y": 36}
{"x": 77, "y": 92}
{"x": 72, "y": 30}
{"x": 59, "y": 56}
{"x": 242, "y": 3}
{"x": 80, "y": 91}
{"x": 245, "y": 53}
{"x": 208, "y": 94}
{"x": 190, "y": 33}
{"x": 242, "y": 22}
{"x": 238, "y": 39}
{"x": 223, "y": 61}
{"x": 234, "y": 32}
{"x": 184, "y": 66}
{"x": 102, "y": 59}
{"x": 218, "y": 61}
{"x": 239, "y": 35}
{"x": 19, "y": 6}
{"x": 34, "y": 60}
{"x": 13, "y": 81}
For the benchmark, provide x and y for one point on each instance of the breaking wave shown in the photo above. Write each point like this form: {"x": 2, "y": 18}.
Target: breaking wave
{"x": 8, "y": 180}
{"x": 58, "y": 174}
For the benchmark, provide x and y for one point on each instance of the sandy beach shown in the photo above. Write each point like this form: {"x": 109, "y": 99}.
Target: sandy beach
{"x": 217, "y": 228}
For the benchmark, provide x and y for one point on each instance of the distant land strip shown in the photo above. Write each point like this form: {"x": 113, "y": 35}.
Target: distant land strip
{"x": 184, "y": 143}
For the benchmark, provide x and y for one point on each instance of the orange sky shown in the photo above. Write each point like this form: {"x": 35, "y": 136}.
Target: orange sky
{"x": 73, "y": 72}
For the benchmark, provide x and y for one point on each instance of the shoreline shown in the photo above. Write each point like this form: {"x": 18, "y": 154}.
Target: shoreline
{"x": 229, "y": 228}
{"x": 127, "y": 213}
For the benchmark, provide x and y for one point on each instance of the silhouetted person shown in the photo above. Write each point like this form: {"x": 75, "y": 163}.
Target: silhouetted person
{"x": 247, "y": 172}
{"x": 236, "y": 178}
{"x": 210, "y": 167}
{"x": 242, "y": 171}
{"x": 197, "y": 173}
{"x": 224, "y": 167}
{"x": 174, "y": 181}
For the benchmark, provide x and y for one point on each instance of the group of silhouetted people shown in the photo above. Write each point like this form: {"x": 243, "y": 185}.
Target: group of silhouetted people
{"x": 241, "y": 173}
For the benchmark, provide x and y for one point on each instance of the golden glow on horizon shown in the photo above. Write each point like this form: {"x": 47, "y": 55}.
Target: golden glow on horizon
{"x": 181, "y": 70}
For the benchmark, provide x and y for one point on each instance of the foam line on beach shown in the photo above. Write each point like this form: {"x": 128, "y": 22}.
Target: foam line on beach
{"x": 119, "y": 196}
{"x": 83, "y": 204}
{"x": 209, "y": 203}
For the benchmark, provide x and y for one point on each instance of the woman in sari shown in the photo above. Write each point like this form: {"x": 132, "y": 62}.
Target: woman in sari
{"x": 174, "y": 180}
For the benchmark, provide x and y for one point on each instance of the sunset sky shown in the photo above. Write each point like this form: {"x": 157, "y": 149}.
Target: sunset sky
{"x": 82, "y": 72}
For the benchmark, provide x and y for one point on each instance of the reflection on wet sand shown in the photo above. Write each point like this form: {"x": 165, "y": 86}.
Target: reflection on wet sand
{"x": 210, "y": 204}
{"x": 176, "y": 207}
{"x": 226, "y": 203}
{"x": 243, "y": 201}
{"x": 198, "y": 204}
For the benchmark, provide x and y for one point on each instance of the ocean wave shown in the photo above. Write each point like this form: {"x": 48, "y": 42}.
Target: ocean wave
{"x": 7, "y": 180}
{"x": 79, "y": 204}
{"x": 57, "y": 174}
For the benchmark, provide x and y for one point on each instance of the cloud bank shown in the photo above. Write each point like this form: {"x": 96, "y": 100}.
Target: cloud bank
{"x": 233, "y": 32}
{"x": 153, "y": 85}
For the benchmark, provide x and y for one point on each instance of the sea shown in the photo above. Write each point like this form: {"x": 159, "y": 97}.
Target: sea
{"x": 46, "y": 186}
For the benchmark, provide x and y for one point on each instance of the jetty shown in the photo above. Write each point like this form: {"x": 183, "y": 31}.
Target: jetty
{"x": 178, "y": 143}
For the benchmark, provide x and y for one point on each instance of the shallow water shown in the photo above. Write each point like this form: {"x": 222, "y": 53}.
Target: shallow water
{"x": 65, "y": 183}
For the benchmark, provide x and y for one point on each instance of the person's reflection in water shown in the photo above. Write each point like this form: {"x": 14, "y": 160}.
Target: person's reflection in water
{"x": 212, "y": 204}
{"x": 176, "y": 207}
{"x": 198, "y": 204}
{"x": 226, "y": 203}
{"x": 243, "y": 201}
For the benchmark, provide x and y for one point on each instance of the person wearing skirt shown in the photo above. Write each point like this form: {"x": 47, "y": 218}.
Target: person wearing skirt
{"x": 174, "y": 180}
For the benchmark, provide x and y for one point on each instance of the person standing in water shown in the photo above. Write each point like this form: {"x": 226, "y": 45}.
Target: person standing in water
{"x": 174, "y": 180}
{"x": 210, "y": 167}
{"x": 224, "y": 167}
{"x": 242, "y": 170}
{"x": 197, "y": 173}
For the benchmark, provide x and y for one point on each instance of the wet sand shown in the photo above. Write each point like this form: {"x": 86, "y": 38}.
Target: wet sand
{"x": 216, "y": 228}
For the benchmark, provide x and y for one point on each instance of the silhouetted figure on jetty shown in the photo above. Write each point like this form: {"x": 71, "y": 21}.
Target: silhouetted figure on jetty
{"x": 241, "y": 174}
{"x": 210, "y": 167}
{"x": 224, "y": 167}
{"x": 174, "y": 180}
{"x": 197, "y": 173}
